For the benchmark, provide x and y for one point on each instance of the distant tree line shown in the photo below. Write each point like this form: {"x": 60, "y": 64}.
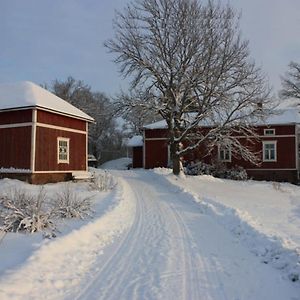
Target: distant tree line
{"x": 106, "y": 139}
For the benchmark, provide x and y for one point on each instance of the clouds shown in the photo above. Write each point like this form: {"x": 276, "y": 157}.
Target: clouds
{"x": 44, "y": 40}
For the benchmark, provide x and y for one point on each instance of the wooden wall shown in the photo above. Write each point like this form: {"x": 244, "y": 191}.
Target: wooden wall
{"x": 15, "y": 145}
{"x": 46, "y": 150}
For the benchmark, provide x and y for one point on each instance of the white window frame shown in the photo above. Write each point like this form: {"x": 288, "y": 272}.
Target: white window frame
{"x": 271, "y": 131}
{"x": 265, "y": 159}
{"x": 224, "y": 149}
{"x": 59, "y": 160}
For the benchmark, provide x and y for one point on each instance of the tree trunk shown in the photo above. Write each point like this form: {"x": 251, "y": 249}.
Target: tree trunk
{"x": 175, "y": 158}
{"x": 176, "y": 165}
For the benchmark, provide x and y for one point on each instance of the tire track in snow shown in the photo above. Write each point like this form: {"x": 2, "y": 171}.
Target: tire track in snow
{"x": 129, "y": 273}
{"x": 58, "y": 268}
{"x": 155, "y": 260}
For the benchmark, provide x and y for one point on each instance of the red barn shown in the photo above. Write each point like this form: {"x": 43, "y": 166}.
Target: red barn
{"x": 42, "y": 137}
{"x": 136, "y": 143}
{"x": 278, "y": 146}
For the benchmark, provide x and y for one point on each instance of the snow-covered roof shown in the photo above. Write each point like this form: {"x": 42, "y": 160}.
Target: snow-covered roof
{"x": 28, "y": 94}
{"x": 157, "y": 125}
{"x": 283, "y": 116}
{"x": 135, "y": 141}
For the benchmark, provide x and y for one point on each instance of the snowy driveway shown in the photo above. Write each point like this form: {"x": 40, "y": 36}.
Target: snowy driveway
{"x": 172, "y": 250}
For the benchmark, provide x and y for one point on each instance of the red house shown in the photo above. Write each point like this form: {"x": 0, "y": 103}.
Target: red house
{"x": 42, "y": 137}
{"x": 278, "y": 146}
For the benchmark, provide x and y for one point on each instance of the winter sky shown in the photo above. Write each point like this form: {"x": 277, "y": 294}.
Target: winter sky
{"x": 49, "y": 39}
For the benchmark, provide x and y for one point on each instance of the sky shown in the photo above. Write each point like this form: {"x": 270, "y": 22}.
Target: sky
{"x": 44, "y": 40}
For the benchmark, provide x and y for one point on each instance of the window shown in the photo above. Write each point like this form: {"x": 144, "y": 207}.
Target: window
{"x": 269, "y": 131}
{"x": 63, "y": 150}
{"x": 225, "y": 153}
{"x": 269, "y": 151}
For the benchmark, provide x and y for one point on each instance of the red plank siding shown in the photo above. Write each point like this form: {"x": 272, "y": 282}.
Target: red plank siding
{"x": 137, "y": 157}
{"x": 60, "y": 120}
{"x": 15, "y": 116}
{"x": 156, "y": 133}
{"x": 156, "y": 154}
{"x": 15, "y": 147}
{"x": 46, "y": 150}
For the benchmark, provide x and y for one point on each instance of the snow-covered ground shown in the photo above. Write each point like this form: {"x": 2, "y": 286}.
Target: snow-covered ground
{"x": 264, "y": 215}
{"x": 157, "y": 236}
{"x": 117, "y": 164}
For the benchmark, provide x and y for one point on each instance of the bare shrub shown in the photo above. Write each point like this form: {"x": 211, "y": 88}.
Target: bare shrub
{"x": 21, "y": 211}
{"x": 102, "y": 181}
{"x": 67, "y": 204}
{"x": 217, "y": 170}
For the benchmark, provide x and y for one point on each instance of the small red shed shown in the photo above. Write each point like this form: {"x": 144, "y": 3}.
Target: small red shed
{"x": 42, "y": 137}
{"x": 136, "y": 143}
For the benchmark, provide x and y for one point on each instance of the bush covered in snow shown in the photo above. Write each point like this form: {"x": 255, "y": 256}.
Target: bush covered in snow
{"x": 102, "y": 181}
{"x": 68, "y": 204}
{"x": 217, "y": 170}
{"x": 22, "y": 211}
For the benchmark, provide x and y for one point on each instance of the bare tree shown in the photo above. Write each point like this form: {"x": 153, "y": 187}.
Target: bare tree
{"x": 103, "y": 132}
{"x": 189, "y": 57}
{"x": 135, "y": 115}
{"x": 291, "y": 82}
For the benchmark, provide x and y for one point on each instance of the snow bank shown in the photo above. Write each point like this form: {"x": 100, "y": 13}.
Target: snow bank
{"x": 117, "y": 164}
{"x": 14, "y": 170}
{"x": 263, "y": 216}
{"x": 59, "y": 265}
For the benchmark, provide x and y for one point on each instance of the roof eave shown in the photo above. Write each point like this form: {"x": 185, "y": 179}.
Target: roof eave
{"x": 90, "y": 120}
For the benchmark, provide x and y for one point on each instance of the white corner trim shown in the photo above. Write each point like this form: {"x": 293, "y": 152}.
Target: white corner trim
{"x": 33, "y": 140}
{"x": 86, "y": 145}
{"x": 144, "y": 150}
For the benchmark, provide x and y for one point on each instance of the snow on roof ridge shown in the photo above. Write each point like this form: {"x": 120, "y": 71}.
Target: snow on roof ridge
{"x": 287, "y": 115}
{"x": 28, "y": 94}
{"x": 135, "y": 141}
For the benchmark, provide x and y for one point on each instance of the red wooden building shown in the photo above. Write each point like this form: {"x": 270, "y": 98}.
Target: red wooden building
{"x": 42, "y": 137}
{"x": 136, "y": 143}
{"x": 278, "y": 145}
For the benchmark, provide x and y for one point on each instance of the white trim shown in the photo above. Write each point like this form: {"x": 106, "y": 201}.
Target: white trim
{"x": 275, "y": 150}
{"x": 266, "y": 136}
{"x": 238, "y": 137}
{"x": 86, "y": 146}
{"x": 91, "y": 120}
{"x": 54, "y": 171}
{"x": 33, "y": 140}
{"x": 63, "y": 161}
{"x": 144, "y": 150}
{"x": 219, "y": 153}
{"x": 260, "y": 169}
{"x": 27, "y": 124}
{"x": 169, "y": 156}
{"x": 269, "y": 134}
{"x": 297, "y": 151}
{"x": 61, "y": 128}
{"x": 156, "y": 139}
